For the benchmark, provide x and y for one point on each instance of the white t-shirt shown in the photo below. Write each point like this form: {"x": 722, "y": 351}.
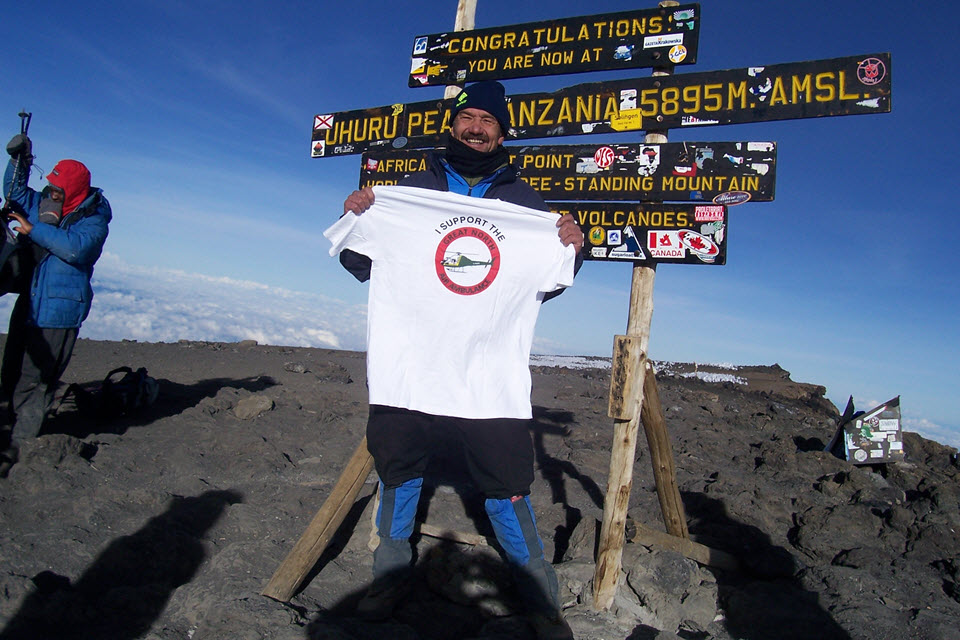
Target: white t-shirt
{"x": 455, "y": 289}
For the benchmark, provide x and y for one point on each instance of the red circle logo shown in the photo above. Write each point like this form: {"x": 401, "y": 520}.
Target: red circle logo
{"x": 467, "y": 260}
{"x": 603, "y": 157}
{"x": 871, "y": 71}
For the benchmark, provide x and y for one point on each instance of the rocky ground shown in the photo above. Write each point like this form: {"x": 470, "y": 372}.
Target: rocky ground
{"x": 169, "y": 524}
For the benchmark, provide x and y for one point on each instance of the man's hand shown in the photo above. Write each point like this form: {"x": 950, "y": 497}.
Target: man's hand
{"x": 19, "y": 145}
{"x": 569, "y": 232}
{"x": 23, "y": 225}
{"x": 360, "y": 201}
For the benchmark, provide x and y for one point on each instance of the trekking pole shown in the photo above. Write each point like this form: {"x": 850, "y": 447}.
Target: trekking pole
{"x": 24, "y": 128}
{"x": 24, "y": 121}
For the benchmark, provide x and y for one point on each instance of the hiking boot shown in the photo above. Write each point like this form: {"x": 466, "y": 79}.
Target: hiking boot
{"x": 550, "y": 627}
{"x": 381, "y": 599}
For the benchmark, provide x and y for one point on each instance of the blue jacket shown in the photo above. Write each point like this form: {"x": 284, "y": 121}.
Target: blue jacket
{"x": 60, "y": 291}
{"x": 504, "y": 184}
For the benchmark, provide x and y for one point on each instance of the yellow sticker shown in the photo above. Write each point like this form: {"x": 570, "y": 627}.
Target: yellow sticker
{"x": 677, "y": 53}
{"x": 628, "y": 120}
{"x": 597, "y": 235}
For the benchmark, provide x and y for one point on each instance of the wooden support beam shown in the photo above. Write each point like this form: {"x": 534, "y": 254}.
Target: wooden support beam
{"x": 374, "y": 540}
{"x": 693, "y": 550}
{"x": 300, "y": 561}
{"x": 661, "y": 456}
{"x": 449, "y": 534}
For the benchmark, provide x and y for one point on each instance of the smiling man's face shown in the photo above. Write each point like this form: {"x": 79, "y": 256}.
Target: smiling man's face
{"x": 477, "y": 129}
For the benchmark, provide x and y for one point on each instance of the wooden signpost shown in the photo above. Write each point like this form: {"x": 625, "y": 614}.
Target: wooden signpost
{"x": 626, "y": 40}
{"x": 718, "y": 172}
{"x": 602, "y": 185}
{"x": 851, "y": 85}
{"x": 617, "y": 215}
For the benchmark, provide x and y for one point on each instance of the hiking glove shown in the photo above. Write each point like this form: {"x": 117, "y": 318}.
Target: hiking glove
{"x": 19, "y": 145}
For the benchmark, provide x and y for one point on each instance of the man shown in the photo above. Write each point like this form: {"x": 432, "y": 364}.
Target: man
{"x": 66, "y": 225}
{"x": 498, "y": 449}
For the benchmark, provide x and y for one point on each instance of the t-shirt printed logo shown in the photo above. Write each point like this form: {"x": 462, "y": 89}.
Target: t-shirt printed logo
{"x": 467, "y": 260}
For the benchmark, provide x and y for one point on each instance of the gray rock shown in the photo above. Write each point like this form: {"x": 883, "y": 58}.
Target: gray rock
{"x": 675, "y": 591}
{"x": 252, "y": 406}
{"x": 126, "y": 525}
{"x": 295, "y": 367}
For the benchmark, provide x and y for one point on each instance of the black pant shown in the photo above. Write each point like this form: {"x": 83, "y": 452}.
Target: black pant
{"x": 33, "y": 361}
{"x": 14, "y": 348}
{"x": 498, "y": 451}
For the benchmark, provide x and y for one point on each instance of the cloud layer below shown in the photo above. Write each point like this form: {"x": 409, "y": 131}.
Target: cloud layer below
{"x": 164, "y": 305}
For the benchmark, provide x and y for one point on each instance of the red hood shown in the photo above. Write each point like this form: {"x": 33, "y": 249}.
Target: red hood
{"x": 74, "y": 178}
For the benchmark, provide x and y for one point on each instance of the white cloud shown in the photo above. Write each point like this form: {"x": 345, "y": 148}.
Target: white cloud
{"x": 164, "y": 305}
{"x": 931, "y": 431}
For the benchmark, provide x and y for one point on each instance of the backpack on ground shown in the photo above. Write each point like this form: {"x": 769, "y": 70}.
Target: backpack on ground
{"x": 116, "y": 396}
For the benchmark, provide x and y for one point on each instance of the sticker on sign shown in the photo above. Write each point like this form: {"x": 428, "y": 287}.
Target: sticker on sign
{"x": 604, "y": 157}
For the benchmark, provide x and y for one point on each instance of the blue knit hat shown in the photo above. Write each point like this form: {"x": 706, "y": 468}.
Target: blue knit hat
{"x": 488, "y": 95}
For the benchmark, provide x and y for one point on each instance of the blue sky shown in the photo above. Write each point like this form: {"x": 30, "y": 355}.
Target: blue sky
{"x": 195, "y": 119}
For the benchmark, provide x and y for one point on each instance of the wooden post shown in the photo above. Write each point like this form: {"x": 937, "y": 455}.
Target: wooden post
{"x": 661, "y": 456}
{"x": 466, "y": 12}
{"x": 315, "y": 539}
{"x": 630, "y": 358}
{"x": 626, "y": 425}
{"x": 695, "y": 551}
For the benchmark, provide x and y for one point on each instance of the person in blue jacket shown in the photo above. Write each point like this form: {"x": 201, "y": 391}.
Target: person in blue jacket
{"x": 66, "y": 225}
{"x": 474, "y": 163}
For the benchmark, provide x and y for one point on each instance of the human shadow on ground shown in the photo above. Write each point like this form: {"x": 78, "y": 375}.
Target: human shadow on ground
{"x": 446, "y": 473}
{"x": 453, "y": 589}
{"x": 173, "y": 399}
{"x": 127, "y": 587}
{"x": 453, "y": 592}
{"x": 765, "y": 599}
{"x": 554, "y": 471}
